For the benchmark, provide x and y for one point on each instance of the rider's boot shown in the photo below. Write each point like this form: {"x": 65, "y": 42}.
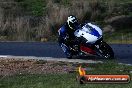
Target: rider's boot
{"x": 69, "y": 55}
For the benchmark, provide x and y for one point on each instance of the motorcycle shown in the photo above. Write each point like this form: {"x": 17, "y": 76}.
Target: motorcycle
{"x": 91, "y": 42}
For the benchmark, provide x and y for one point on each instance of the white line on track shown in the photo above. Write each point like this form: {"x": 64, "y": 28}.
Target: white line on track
{"x": 3, "y": 56}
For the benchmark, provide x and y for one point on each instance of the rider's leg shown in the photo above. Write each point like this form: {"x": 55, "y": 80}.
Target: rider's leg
{"x": 66, "y": 50}
{"x": 64, "y": 47}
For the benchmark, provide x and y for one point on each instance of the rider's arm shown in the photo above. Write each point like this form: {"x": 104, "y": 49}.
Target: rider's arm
{"x": 62, "y": 33}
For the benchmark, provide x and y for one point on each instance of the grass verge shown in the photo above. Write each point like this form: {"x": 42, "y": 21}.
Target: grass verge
{"x": 67, "y": 80}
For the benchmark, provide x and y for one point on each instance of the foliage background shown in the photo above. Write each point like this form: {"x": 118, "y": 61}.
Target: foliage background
{"x": 39, "y": 20}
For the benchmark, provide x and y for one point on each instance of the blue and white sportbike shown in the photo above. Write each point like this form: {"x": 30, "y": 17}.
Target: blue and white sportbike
{"x": 91, "y": 42}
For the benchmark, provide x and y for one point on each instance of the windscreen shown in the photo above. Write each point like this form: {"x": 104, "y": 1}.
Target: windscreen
{"x": 87, "y": 28}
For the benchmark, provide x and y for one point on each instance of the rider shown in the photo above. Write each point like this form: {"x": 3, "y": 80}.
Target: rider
{"x": 66, "y": 33}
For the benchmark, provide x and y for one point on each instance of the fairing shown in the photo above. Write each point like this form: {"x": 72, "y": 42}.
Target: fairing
{"x": 90, "y": 32}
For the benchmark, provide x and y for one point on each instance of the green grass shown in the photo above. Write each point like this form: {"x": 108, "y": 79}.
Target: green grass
{"x": 52, "y": 81}
{"x": 66, "y": 80}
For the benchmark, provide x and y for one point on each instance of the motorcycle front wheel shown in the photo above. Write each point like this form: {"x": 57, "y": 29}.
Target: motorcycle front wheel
{"x": 105, "y": 50}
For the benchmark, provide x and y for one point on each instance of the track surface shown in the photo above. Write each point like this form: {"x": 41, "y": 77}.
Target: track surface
{"x": 123, "y": 52}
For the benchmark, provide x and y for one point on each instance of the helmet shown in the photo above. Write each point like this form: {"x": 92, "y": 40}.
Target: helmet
{"x": 72, "y": 22}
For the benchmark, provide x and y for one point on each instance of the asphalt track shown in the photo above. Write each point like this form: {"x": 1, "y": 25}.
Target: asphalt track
{"x": 123, "y": 52}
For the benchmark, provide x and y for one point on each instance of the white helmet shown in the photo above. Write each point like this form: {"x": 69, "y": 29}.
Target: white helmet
{"x": 72, "y": 22}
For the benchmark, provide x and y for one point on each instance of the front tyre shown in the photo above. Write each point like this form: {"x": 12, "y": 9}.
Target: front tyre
{"x": 106, "y": 51}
